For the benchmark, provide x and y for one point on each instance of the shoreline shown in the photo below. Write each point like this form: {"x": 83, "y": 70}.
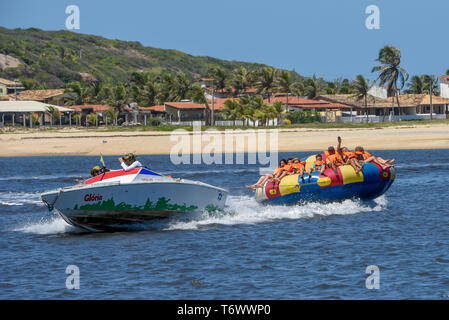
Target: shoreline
{"x": 82, "y": 142}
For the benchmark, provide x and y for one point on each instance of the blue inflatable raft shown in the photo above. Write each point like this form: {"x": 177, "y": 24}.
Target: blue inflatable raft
{"x": 370, "y": 183}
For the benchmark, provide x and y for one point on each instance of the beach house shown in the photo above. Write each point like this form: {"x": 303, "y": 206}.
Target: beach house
{"x": 444, "y": 86}
{"x": 8, "y": 87}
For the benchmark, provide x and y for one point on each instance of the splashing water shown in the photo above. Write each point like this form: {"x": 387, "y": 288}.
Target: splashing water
{"x": 245, "y": 210}
{"x": 53, "y": 224}
{"x": 241, "y": 210}
{"x": 19, "y": 198}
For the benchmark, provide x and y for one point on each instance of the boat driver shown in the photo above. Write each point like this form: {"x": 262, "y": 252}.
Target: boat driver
{"x": 97, "y": 171}
{"x": 129, "y": 162}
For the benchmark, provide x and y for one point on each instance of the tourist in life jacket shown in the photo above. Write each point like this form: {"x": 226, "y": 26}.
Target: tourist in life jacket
{"x": 318, "y": 165}
{"x": 287, "y": 169}
{"x": 334, "y": 159}
{"x": 366, "y": 157}
{"x": 352, "y": 159}
{"x": 295, "y": 166}
{"x": 129, "y": 162}
{"x": 260, "y": 183}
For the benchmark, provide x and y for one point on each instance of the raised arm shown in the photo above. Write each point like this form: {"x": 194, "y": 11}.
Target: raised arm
{"x": 339, "y": 146}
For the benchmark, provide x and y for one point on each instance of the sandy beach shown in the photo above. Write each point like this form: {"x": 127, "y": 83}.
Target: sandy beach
{"x": 81, "y": 142}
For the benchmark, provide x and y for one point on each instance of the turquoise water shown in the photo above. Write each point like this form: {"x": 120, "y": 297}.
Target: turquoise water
{"x": 249, "y": 251}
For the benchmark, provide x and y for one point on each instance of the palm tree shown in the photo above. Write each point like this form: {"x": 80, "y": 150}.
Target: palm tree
{"x": 120, "y": 97}
{"x": 219, "y": 76}
{"x": 180, "y": 88}
{"x": 77, "y": 118}
{"x": 430, "y": 83}
{"x": 77, "y": 93}
{"x": 111, "y": 114}
{"x": 231, "y": 110}
{"x": 277, "y": 105}
{"x": 361, "y": 86}
{"x": 285, "y": 83}
{"x": 270, "y": 111}
{"x": 196, "y": 94}
{"x": 391, "y": 73}
{"x": 53, "y": 112}
{"x": 447, "y": 72}
{"x": 312, "y": 87}
{"x": 240, "y": 80}
{"x": 92, "y": 118}
{"x": 266, "y": 82}
{"x": 416, "y": 85}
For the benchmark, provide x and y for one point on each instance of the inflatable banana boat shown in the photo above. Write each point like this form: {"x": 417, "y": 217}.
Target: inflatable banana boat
{"x": 369, "y": 183}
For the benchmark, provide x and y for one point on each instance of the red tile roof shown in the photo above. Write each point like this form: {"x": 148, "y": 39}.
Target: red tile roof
{"x": 95, "y": 107}
{"x": 443, "y": 77}
{"x": 154, "y": 108}
{"x": 219, "y": 103}
{"x": 294, "y": 100}
{"x": 185, "y": 105}
{"x": 39, "y": 95}
{"x": 232, "y": 90}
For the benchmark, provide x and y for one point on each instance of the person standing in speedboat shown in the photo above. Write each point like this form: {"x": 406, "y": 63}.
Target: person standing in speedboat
{"x": 129, "y": 162}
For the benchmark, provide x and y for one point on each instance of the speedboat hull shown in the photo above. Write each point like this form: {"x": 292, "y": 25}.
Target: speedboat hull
{"x": 105, "y": 205}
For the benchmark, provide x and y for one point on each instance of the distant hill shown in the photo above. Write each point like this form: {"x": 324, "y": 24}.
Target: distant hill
{"x": 48, "y": 59}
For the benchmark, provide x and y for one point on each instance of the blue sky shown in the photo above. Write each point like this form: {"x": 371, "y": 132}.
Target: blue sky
{"x": 325, "y": 37}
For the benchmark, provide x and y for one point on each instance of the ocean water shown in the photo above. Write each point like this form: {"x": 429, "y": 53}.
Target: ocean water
{"x": 249, "y": 251}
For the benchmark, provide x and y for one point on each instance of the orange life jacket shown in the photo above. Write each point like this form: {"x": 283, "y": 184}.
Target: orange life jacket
{"x": 318, "y": 163}
{"x": 280, "y": 169}
{"x": 335, "y": 158}
{"x": 298, "y": 166}
{"x": 363, "y": 155}
{"x": 350, "y": 155}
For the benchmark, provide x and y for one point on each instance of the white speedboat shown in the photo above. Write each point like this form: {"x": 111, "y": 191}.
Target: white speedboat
{"x": 120, "y": 197}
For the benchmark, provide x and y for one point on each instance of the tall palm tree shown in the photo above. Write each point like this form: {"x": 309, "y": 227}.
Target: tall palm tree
{"x": 430, "y": 83}
{"x": 77, "y": 119}
{"x": 285, "y": 83}
{"x": 53, "y": 112}
{"x": 270, "y": 111}
{"x": 240, "y": 80}
{"x": 361, "y": 87}
{"x": 390, "y": 72}
{"x": 77, "y": 93}
{"x": 277, "y": 105}
{"x": 231, "y": 110}
{"x": 219, "y": 76}
{"x": 312, "y": 87}
{"x": 266, "y": 82}
{"x": 180, "y": 88}
{"x": 111, "y": 114}
{"x": 92, "y": 118}
{"x": 416, "y": 85}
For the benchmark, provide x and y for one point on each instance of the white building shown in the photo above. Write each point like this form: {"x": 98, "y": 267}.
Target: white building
{"x": 444, "y": 86}
{"x": 379, "y": 92}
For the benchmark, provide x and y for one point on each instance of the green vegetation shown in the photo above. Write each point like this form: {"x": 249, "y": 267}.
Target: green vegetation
{"x": 162, "y": 204}
{"x": 96, "y": 70}
{"x": 391, "y": 74}
{"x": 303, "y": 117}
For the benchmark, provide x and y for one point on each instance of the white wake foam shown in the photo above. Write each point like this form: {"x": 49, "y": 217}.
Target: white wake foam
{"x": 245, "y": 210}
{"x": 53, "y": 224}
{"x": 10, "y": 198}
